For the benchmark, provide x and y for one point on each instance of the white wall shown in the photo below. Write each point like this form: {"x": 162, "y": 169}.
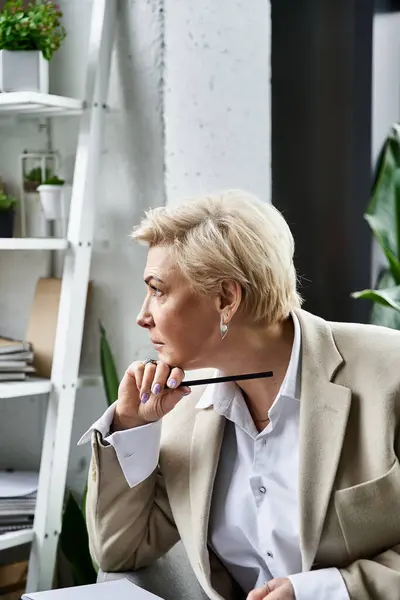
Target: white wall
{"x": 190, "y": 106}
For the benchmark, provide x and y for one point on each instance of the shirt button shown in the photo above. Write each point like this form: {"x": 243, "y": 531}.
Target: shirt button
{"x": 270, "y": 555}
{"x": 263, "y": 489}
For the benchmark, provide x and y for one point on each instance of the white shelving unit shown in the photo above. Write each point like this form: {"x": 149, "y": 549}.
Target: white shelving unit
{"x": 16, "y": 538}
{"x": 33, "y": 243}
{"x": 34, "y": 104}
{"x": 61, "y": 387}
{"x": 17, "y": 389}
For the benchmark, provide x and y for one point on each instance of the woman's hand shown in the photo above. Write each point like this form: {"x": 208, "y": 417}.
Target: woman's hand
{"x": 147, "y": 393}
{"x": 277, "y": 589}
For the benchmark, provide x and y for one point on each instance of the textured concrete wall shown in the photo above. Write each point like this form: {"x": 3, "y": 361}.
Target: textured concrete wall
{"x": 189, "y": 97}
{"x": 217, "y": 96}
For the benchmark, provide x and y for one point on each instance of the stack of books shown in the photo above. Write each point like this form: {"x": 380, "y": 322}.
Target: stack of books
{"x": 18, "y": 490}
{"x": 16, "y": 359}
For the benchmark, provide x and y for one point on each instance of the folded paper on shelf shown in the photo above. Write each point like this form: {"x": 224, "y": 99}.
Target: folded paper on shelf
{"x": 14, "y": 484}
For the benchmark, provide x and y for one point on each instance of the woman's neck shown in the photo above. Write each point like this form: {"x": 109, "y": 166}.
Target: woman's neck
{"x": 257, "y": 349}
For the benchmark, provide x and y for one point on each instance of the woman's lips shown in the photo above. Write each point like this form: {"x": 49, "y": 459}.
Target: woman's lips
{"x": 157, "y": 344}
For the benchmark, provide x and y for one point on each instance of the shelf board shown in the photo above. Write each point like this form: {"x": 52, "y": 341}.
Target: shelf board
{"x": 33, "y": 244}
{"x": 36, "y": 386}
{"x": 32, "y": 387}
{"x": 34, "y": 104}
{"x": 16, "y": 538}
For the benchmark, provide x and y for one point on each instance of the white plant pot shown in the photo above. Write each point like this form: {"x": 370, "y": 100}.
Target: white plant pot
{"x": 34, "y": 219}
{"x": 51, "y": 197}
{"x": 23, "y": 71}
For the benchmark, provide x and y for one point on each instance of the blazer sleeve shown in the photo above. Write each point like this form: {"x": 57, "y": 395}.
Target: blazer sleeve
{"x": 128, "y": 528}
{"x": 376, "y": 578}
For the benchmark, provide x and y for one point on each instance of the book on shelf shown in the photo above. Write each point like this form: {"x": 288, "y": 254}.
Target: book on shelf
{"x": 11, "y": 346}
{"x": 18, "y": 490}
{"x": 16, "y": 358}
{"x": 10, "y": 377}
{"x": 10, "y": 528}
{"x": 16, "y": 367}
{"x": 27, "y": 355}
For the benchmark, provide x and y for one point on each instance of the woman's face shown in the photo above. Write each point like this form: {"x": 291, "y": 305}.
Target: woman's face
{"x": 183, "y": 326}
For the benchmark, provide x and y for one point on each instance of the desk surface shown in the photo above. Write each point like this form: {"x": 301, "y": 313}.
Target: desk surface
{"x": 120, "y": 589}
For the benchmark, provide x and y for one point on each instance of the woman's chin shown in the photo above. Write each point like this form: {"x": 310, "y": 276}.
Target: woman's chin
{"x": 164, "y": 355}
{"x": 175, "y": 359}
{"x": 170, "y": 358}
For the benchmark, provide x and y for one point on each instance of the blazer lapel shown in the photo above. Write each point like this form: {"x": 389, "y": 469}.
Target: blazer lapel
{"x": 324, "y": 412}
{"x": 204, "y": 456}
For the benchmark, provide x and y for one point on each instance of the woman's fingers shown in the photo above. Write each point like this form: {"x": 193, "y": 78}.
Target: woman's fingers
{"x": 259, "y": 593}
{"x": 147, "y": 381}
{"x": 175, "y": 378}
{"x": 158, "y": 378}
{"x": 161, "y": 376}
{"x": 129, "y": 386}
{"x": 149, "y": 391}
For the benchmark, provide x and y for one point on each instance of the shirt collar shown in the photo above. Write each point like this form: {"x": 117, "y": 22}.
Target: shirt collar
{"x": 222, "y": 394}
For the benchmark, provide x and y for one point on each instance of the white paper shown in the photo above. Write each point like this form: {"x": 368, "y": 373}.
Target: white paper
{"x": 18, "y": 483}
{"x": 120, "y": 589}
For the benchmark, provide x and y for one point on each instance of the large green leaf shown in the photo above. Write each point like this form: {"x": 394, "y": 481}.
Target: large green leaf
{"x": 383, "y": 315}
{"x": 74, "y": 543}
{"x": 389, "y": 297}
{"x": 383, "y": 213}
{"x": 108, "y": 368}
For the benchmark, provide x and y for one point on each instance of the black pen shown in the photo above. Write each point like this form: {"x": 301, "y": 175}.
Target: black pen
{"x": 226, "y": 379}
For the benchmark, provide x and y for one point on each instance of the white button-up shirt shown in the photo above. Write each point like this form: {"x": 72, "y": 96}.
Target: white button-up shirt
{"x": 254, "y": 517}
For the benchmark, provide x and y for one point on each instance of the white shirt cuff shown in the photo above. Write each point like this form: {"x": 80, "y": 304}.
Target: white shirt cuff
{"x": 324, "y": 584}
{"x": 137, "y": 449}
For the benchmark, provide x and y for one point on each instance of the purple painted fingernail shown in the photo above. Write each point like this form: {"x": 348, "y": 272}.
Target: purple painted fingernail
{"x": 171, "y": 383}
{"x": 156, "y": 389}
{"x": 145, "y": 397}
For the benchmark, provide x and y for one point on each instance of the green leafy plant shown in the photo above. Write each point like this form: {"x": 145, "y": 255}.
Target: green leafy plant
{"x": 37, "y": 27}
{"x": 7, "y": 202}
{"x": 383, "y": 216}
{"x": 34, "y": 178}
{"x": 35, "y": 174}
{"x": 108, "y": 368}
{"x": 54, "y": 180}
{"x": 74, "y": 539}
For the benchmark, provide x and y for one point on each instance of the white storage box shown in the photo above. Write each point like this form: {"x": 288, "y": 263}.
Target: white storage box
{"x": 23, "y": 71}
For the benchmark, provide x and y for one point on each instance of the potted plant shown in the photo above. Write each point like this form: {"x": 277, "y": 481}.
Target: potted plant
{"x": 33, "y": 179}
{"x": 7, "y": 212}
{"x": 28, "y": 39}
{"x": 383, "y": 217}
{"x": 51, "y": 197}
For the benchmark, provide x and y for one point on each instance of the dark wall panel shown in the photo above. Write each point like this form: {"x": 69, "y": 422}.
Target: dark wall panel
{"x": 321, "y": 115}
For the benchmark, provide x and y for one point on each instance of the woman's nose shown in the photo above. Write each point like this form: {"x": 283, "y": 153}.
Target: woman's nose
{"x": 144, "y": 319}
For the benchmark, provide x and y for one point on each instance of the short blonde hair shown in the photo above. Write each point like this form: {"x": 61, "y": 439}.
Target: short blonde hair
{"x": 230, "y": 235}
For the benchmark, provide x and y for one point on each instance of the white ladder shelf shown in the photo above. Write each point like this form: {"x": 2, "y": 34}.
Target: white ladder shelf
{"x": 62, "y": 386}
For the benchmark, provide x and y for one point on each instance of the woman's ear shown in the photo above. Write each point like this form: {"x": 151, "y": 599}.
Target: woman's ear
{"x": 229, "y": 299}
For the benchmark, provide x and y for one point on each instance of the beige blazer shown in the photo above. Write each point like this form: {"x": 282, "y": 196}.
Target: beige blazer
{"x": 349, "y": 472}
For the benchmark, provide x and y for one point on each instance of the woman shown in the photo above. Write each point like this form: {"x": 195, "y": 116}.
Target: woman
{"x": 285, "y": 487}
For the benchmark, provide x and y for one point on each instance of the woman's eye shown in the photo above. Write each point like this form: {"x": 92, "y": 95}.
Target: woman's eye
{"x": 155, "y": 291}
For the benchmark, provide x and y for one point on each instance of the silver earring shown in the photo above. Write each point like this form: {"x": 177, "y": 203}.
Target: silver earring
{"x": 223, "y": 328}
